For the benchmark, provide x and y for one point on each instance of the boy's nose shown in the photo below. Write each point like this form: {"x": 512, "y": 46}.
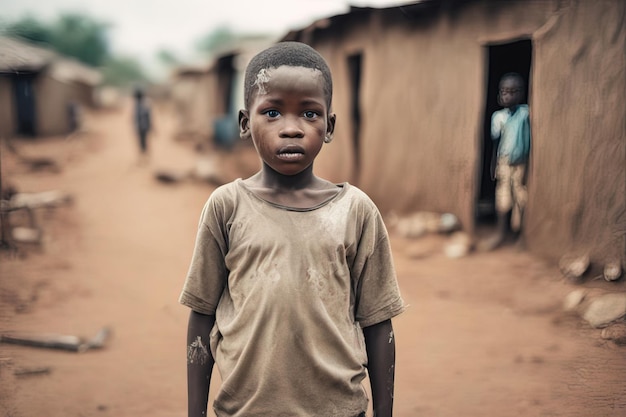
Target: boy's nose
{"x": 291, "y": 128}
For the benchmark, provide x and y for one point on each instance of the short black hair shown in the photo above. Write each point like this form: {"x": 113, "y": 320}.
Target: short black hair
{"x": 292, "y": 54}
{"x": 513, "y": 76}
{"x": 138, "y": 93}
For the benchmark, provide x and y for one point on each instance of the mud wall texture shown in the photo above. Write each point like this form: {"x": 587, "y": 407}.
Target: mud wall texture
{"x": 51, "y": 100}
{"x": 193, "y": 96}
{"x": 578, "y": 173}
{"x": 422, "y": 100}
{"x": 7, "y": 115}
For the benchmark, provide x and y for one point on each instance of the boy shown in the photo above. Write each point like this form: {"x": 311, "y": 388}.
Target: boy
{"x": 142, "y": 119}
{"x": 291, "y": 285}
{"x": 510, "y": 131}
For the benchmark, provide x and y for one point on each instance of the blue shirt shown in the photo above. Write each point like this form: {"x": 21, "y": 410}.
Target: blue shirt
{"x": 513, "y": 130}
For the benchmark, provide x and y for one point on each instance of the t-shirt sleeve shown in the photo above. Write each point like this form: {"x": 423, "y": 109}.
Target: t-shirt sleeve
{"x": 207, "y": 273}
{"x": 378, "y": 295}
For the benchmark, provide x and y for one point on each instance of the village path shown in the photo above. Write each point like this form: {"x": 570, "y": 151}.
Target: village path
{"x": 484, "y": 335}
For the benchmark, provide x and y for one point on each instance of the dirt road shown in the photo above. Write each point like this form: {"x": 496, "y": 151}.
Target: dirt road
{"x": 485, "y": 335}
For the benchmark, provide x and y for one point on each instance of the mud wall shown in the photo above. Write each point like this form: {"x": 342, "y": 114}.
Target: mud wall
{"x": 51, "y": 100}
{"x": 194, "y": 100}
{"x": 83, "y": 94}
{"x": 578, "y": 173}
{"x": 7, "y": 114}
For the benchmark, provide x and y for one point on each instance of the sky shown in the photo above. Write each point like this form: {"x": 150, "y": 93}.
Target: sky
{"x": 141, "y": 28}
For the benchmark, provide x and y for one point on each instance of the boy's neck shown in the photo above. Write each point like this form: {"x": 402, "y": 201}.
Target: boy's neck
{"x": 303, "y": 190}
{"x": 271, "y": 179}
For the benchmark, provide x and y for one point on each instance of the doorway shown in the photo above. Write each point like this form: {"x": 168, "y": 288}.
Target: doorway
{"x": 226, "y": 126}
{"x": 501, "y": 59}
{"x": 23, "y": 94}
{"x": 355, "y": 63}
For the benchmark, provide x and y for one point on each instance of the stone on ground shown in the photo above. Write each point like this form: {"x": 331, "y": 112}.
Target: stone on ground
{"x": 605, "y": 309}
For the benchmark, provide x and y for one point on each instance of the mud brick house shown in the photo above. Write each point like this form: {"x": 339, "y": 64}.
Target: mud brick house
{"x": 37, "y": 87}
{"x": 208, "y": 97}
{"x": 415, "y": 86}
{"x": 192, "y": 104}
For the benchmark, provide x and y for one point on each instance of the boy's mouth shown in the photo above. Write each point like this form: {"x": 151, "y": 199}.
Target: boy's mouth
{"x": 290, "y": 156}
{"x": 290, "y": 153}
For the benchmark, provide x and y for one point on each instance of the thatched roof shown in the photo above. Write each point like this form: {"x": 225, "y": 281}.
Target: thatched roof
{"x": 17, "y": 56}
{"x": 70, "y": 70}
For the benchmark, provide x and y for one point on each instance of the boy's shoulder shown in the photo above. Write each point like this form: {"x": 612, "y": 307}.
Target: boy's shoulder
{"x": 224, "y": 193}
{"x": 523, "y": 108}
{"x": 501, "y": 112}
{"x": 359, "y": 197}
{"x": 227, "y": 188}
{"x": 356, "y": 192}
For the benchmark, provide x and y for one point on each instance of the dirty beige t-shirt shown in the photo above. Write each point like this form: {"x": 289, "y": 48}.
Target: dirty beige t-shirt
{"x": 291, "y": 290}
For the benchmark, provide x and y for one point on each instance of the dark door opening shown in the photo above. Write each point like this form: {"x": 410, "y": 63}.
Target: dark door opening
{"x": 355, "y": 63}
{"x": 503, "y": 58}
{"x": 225, "y": 75}
{"x": 225, "y": 126}
{"x": 23, "y": 94}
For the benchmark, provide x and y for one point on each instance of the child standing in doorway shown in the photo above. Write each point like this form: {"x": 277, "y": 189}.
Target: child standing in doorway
{"x": 510, "y": 131}
{"x": 291, "y": 285}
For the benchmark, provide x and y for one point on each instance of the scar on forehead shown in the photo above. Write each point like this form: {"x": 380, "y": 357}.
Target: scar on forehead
{"x": 262, "y": 78}
{"x": 264, "y": 75}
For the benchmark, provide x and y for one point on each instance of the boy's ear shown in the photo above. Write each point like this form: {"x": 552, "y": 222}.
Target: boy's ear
{"x": 244, "y": 124}
{"x": 330, "y": 127}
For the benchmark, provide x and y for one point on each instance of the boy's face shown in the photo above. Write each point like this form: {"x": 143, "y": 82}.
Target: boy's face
{"x": 288, "y": 118}
{"x": 511, "y": 92}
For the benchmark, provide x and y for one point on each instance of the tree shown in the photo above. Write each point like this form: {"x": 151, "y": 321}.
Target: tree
{"x": 167, "y": 58}
{"x": 216, "y": 39}
{"x": 123, "y": 72}
{"x": 84, "y": 38}
{"x": 29, "y": 28}
{"x": 81, "y": 37}
{"x": 73, "y": 34}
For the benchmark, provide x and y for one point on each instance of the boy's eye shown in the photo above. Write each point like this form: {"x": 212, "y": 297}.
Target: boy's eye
{"x": 309, "y": 114}
{"x": 272, "y": 113}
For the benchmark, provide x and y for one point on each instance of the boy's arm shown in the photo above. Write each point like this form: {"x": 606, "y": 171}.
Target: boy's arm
{"x": 381, "y": 355}
{"x": 494, "y": 159}
{"x": 496, "y": 132}
{"x": 199, "y": 363}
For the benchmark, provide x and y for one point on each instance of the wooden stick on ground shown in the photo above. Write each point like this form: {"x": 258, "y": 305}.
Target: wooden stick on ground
{"x": 56, "y": 341}
{"x": 41, "y": 370}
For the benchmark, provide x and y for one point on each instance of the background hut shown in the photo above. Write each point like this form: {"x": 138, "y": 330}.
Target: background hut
{"x": 191, "y": 90}
{"x": 415, "y": 86}
{"x": 40, "y": 91}
{"x": 208, "y": 97}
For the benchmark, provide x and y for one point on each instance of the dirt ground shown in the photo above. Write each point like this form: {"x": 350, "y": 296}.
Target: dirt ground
{"x": 485, "y": 335}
